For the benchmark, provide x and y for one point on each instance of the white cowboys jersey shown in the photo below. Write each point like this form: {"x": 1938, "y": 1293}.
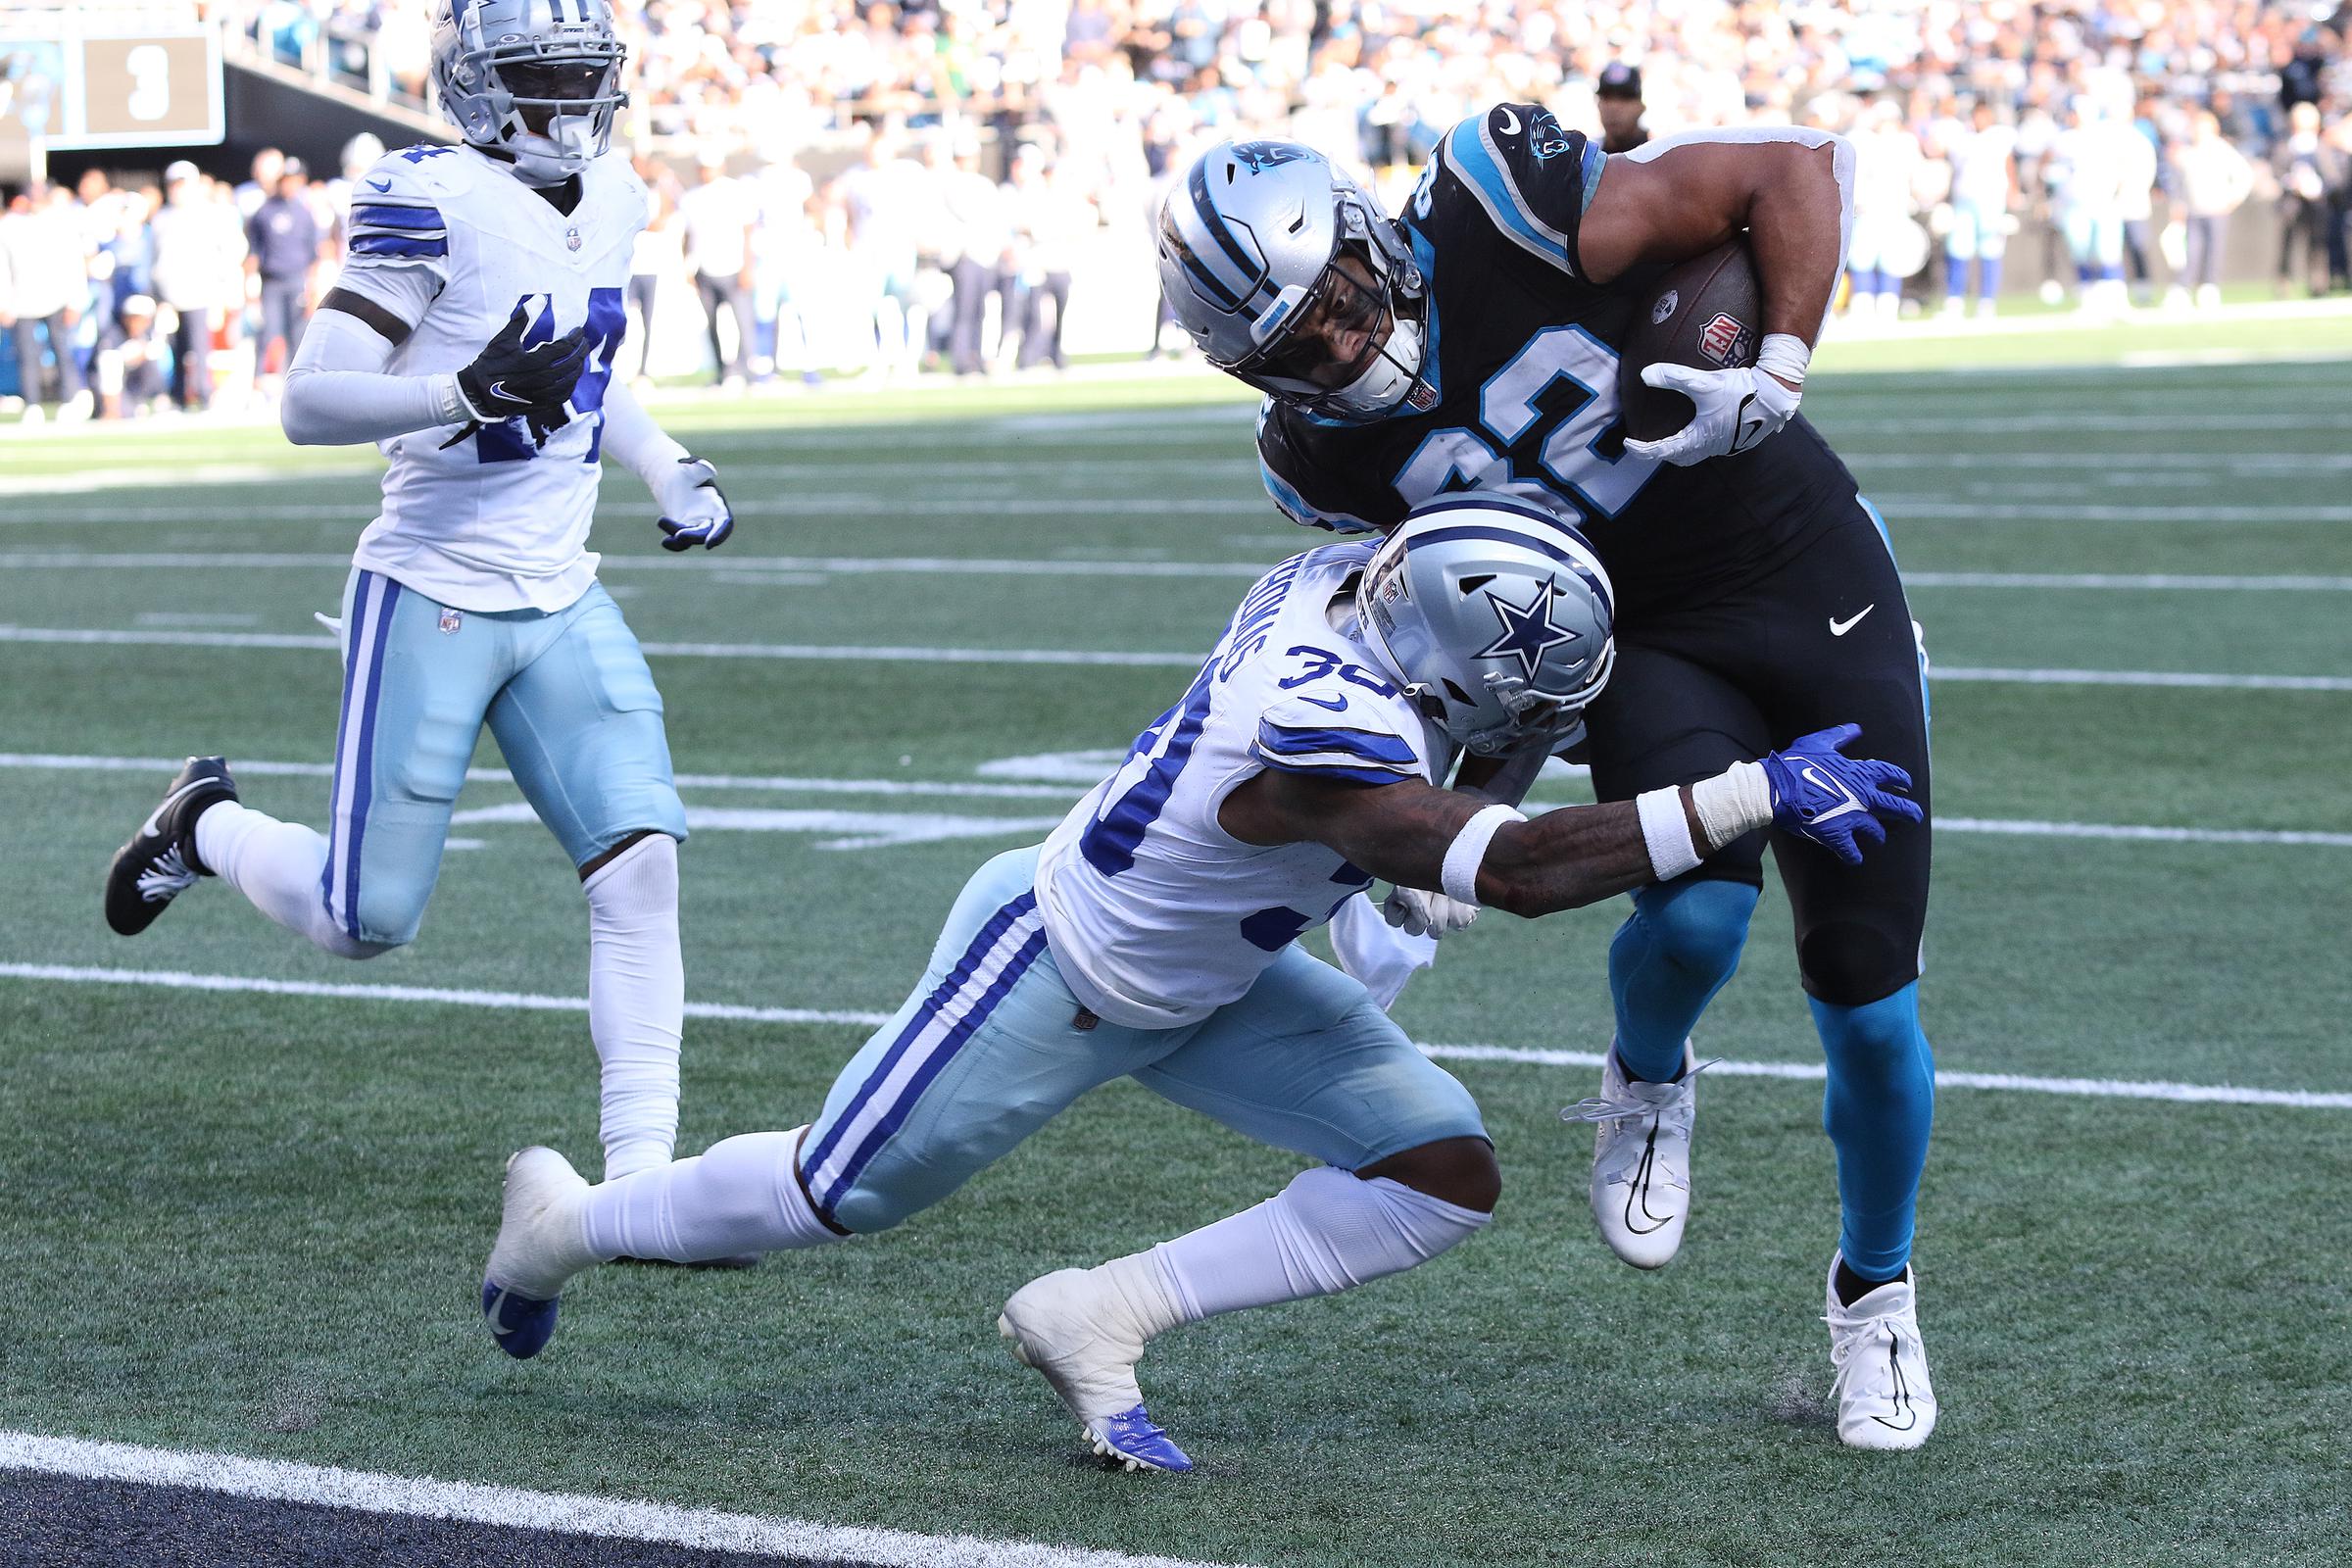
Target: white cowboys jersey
{"x": 1156, "y": 914}
{"x": 451, "y": 242}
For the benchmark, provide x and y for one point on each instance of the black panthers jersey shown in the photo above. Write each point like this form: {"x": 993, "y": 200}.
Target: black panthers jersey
{"x": 1520, "y": 390}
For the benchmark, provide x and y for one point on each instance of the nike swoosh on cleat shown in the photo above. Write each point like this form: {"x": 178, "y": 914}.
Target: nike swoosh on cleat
{"x": 494, "y": 1313}
{"x": 1838, "y": 628}
{"x": 1903, "y": 1388}
{"x": 1637, "y": 1195}
{"x": 154, "y": 822}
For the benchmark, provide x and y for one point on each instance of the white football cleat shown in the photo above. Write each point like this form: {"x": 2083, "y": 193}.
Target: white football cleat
{"x": 1079, "y": 1331}
{"x": 539, "y": 1248}
{"x": 1642, "y": 1159}
{"x": 1885, "y": 1399}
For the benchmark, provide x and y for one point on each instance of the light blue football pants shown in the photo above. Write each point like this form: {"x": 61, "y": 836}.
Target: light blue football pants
{"x": 992, "y": 1046}
{"x": 567, "y": 694}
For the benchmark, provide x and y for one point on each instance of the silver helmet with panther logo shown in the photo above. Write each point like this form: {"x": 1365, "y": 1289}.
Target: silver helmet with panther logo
{"x": 1289, "y": 276}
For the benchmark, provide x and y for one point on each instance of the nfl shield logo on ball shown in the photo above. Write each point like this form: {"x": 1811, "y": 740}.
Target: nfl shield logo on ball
{"x": 1726, "y": 340}
{"x": 1664, "y": 307}
{"x": 571, "y": 237}
{"x": 451, "y": 622}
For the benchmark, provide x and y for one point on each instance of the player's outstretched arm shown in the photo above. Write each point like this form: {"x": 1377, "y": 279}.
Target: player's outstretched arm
{"x": 1792, "y": 191}
{"x": 1418, "y": 835}
{"x": 685, "y": 487}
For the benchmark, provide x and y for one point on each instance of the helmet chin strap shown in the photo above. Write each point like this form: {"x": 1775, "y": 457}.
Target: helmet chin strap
{"x": 1388, "y": 379}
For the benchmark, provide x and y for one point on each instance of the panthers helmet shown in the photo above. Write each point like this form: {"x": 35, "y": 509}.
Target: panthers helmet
{"x": 1494, "y": 615}
{"x": 1250, "y": 246}
{"x": 532, "y": 82}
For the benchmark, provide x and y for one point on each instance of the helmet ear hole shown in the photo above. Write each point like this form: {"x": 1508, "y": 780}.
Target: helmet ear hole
{"x": 1471, "y": 585}
{"x": 1458, "y": 695}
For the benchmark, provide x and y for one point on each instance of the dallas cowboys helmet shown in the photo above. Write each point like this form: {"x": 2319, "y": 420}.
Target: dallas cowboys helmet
{"x": 1494, "y": 615}
{"x": 532, "y": 82}
{"x": 1251, "y": 242}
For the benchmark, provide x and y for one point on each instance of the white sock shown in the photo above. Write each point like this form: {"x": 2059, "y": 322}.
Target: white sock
{"x": 1323, "y": 1233}
{"x": 738, "y": 1196}
{"x": 276, "y": 866}
{"x": 637, "y": 1000}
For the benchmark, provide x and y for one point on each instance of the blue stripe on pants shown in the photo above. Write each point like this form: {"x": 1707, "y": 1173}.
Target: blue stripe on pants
{"x": 941, "y": 1055}
{"x": 363, "y": 687}
{"x": 941, "y": 996}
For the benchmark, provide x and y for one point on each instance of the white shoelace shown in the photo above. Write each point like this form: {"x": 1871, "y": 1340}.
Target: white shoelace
{"x": 1601, "y": 1108}
{"x": 167, "y": 876}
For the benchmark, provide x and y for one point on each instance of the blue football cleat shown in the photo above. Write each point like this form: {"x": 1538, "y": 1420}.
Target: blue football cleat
{"x": 539, "y": 1246}
{"x": 520, "y": 1325}
{"x": 1132, "y": 1438}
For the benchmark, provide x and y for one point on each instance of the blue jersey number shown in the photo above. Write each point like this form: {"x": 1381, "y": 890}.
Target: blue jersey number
{"x": 510, "y": 442}
{"x": 1517, "y": 443}
{"x": 1110, "y": 841}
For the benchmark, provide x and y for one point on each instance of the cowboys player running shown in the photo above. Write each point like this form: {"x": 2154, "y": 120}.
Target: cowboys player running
{"x": 471, "y": 336}
{"x": 1473, "y": 343}
{"x": 1153, "y": 935}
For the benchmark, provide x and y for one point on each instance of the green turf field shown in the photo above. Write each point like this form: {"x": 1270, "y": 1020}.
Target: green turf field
{"x": 253, "y": 1222}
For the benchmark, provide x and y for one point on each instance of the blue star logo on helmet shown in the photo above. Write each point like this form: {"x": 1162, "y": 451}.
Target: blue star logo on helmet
{"x": 1528, "y": 630}
{"x": 1259, "y": 156}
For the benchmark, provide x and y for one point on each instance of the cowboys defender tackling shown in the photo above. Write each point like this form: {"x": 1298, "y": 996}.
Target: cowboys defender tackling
{"x": 471, "y": 337}
{"x": 1474, "y": 343}
{"x": 1155, "y": 935}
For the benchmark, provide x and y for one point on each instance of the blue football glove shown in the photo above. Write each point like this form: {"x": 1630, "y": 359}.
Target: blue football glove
{"x": 693, "y": 511}
{"x": 1833, "y": 800}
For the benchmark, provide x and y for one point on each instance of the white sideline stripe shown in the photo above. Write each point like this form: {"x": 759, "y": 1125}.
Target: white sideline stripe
{"x": 705, "y": 1529}
{"x": 2142, "y": 678}
{"x": 1007, "y": 566}
{"x": 831, "y": 503}
{"x": 2162, "y": 835}
{"x": 893, "y": 654}
{"x": 1941, "y": 509}
{"x": 789, "y": 784}
{"x": 511, "y": 1001}
{"x": 2137, "y": 581}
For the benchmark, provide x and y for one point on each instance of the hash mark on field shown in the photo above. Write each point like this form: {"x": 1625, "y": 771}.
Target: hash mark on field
{"x": 560, "y": 1513}
{"x": 526, "y": 1001}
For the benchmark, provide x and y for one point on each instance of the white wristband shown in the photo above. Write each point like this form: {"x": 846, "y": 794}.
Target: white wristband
{"x": 449, "y": 401}
{"x": 1468, "y": 851}
{"x": 1736, "y": 800}
{"x": 1784, "y": 355}
{"x": 1666, "y": 830}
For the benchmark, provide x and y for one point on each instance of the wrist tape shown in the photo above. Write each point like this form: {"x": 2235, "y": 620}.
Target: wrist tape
{"x": 1468, "y": 851}
{"x": 1784, "y": 355}
{"x": 1736, "y": 800}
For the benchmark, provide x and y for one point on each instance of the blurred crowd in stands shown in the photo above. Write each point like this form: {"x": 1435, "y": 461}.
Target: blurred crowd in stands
{"x": 853, "y": 184}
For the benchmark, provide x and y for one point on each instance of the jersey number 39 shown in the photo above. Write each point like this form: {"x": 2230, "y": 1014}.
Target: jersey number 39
{"x": 510, "y": 442}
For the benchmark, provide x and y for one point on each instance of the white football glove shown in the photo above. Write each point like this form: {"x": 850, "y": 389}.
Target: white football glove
{"x": 1738, "y": 410}
{"x": 1421, "y": 914}
{"x": 693, "y": 511}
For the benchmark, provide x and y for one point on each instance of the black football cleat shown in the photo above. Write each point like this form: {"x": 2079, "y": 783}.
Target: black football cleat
{"x": 160, "y": 861}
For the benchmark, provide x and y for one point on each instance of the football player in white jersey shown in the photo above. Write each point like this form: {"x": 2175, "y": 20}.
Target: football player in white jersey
{"x": 471, "y": 336}
{"x": 1153, "y": 935}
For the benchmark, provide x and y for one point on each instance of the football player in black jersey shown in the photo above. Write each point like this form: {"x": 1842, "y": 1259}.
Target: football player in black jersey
{"x": 1472, "y": 343}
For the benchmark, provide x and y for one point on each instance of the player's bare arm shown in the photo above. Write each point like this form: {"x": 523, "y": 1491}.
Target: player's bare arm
{"x": 1401, "y": 832}
{"x": 1789, "y": 192}
{"x": 1696, "y": 192}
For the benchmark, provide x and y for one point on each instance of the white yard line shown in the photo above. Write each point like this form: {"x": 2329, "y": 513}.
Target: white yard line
{"x": 410, "y": 1497}
{"x": 1099, "y": 658}
{"x": 524, "y": 1001}
{"x": 1064, "y": 793}
{"x": 1940, "y": 508}
{"x": 826, "y": 503}
{"x": 1025, "y": 566}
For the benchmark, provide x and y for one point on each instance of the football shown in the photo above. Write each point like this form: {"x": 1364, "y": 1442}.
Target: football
{"x": 1705, "y": 312}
